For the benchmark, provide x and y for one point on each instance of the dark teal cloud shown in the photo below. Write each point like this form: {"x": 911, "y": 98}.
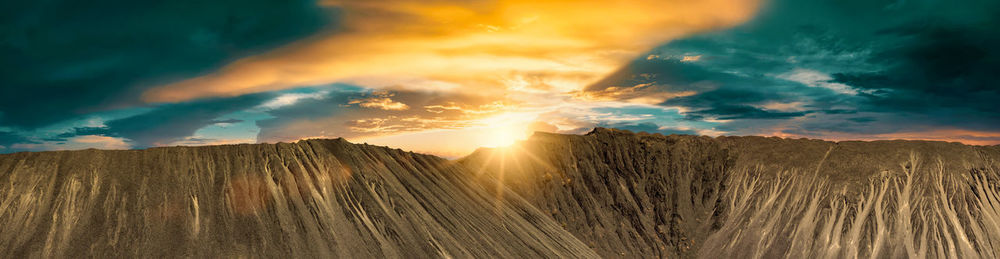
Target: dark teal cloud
{"x": 8, "y": 138}
{"x": 935, "y": 65}
{"x": 65, "y": 58}
{"x": 854, "y": 66}
{"x": 171, "y": 122}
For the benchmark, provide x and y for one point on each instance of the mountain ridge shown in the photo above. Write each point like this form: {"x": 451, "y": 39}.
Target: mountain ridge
{"x": 315, "y": 198}
{"x": 609, "y": 193}
{"x": 651, "y": 195}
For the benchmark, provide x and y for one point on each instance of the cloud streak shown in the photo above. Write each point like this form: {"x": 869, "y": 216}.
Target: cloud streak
{"x": 170, "y": 123}
{"x": 467, "y": 45}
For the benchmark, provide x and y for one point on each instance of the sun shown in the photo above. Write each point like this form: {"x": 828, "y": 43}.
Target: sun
{"x": 506, "y": 129}
{"x": 501, "y": 137}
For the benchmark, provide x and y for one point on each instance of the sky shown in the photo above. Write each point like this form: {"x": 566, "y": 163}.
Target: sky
{"x": 446, "y": 76}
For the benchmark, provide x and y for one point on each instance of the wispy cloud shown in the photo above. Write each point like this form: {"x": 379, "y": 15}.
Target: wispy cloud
{"x": 380, "y": 100}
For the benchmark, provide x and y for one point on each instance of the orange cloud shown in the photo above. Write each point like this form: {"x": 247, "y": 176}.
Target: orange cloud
{"x": 457, "y": 45}
{"x": 950, "y": 135}
{"x": 642, "y": 94}
{"x": 381, "y": 100}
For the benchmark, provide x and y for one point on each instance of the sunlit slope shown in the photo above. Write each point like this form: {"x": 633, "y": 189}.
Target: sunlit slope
{"x": 315, "y": 198}
{"x": 622, "y": 194}
{"x": 641, "y": 195}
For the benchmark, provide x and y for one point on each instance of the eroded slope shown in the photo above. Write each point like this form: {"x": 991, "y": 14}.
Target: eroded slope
{"x": 642, "y": 195}
{"x": 621, "y": 193}
{"x": 316, "y": 198}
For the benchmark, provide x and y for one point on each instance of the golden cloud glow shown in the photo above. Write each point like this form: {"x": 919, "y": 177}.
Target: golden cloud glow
{"x": 381, "y": 100}
{"x": 490, "y": 46}
{"x": 511, "y": 60}
{"x": 691, "y": 58}
{"x": 641, "y": 94}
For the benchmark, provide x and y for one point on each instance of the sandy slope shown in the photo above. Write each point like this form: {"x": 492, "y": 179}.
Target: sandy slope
{"x": 316, "y": 198}
{"x": 642, "y": 195}
{"x": 609, "y": 193}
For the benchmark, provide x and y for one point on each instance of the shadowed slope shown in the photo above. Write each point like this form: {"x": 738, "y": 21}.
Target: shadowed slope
{"x": 315, "y": 198}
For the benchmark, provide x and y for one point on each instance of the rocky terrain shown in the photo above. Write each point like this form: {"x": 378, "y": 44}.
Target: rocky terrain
{"x": 609, "y": 193}
{"x": 310, "y": 199}
{"x": 634, "y": 195}
{"x": 622, "y": 194}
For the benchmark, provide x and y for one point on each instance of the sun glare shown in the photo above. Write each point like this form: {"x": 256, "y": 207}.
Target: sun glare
{"x": 506, "y": 129}
{"x": 501, "y": 137}
{"x": 497, "y": 131}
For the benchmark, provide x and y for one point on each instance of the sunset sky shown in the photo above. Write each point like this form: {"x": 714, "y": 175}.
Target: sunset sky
{"x": 446, "y": 76}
